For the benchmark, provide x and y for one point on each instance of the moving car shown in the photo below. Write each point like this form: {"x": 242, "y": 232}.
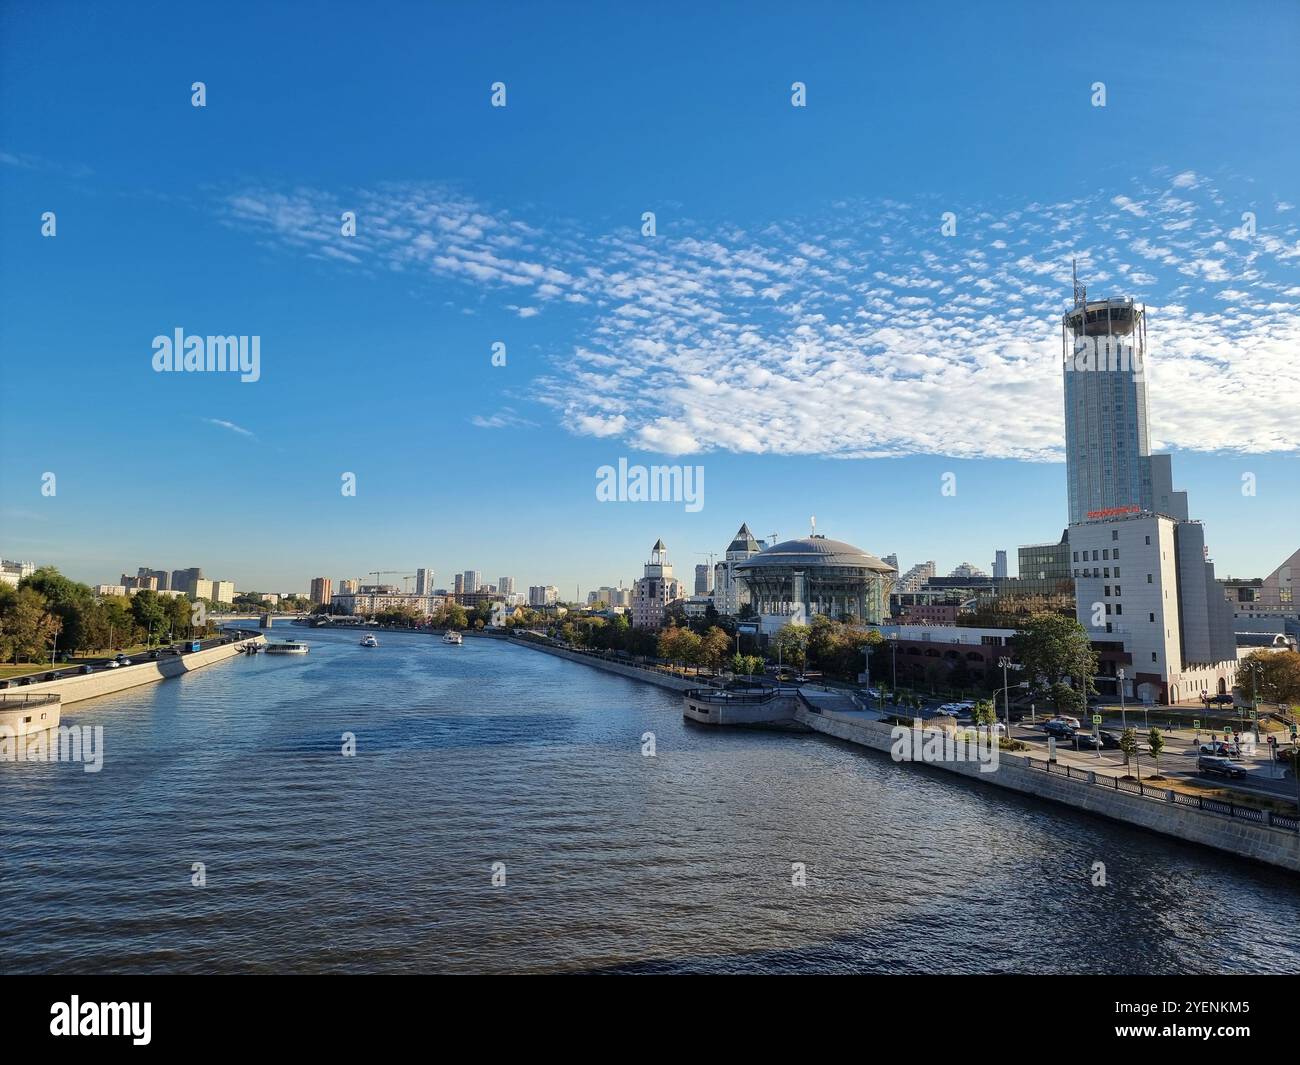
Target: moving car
{"x": 1108, "y": 740}
{"x": 1086, "y": 739}
{"x": 1058, "y": 728}
{"x": 1214, "y": 765}
{"x": 1073, "y": 722}
{"x": 1220, "y": 749}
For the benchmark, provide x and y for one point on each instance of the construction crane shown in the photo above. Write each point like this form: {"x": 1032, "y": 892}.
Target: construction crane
{"x": 377, "y": 573}
{"x": 773, "y": 538}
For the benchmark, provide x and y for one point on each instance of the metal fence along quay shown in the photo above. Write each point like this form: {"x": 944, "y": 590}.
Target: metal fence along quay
{"x": 1288, "y": 822}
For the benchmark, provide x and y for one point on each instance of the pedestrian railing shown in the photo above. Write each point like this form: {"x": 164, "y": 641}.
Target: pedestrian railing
{"x": 42, "y": 699}
{"x": 1203, "y": 803}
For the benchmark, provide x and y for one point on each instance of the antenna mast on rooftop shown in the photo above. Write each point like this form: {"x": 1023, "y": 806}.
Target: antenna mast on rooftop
{"x": 1080, "y": 291}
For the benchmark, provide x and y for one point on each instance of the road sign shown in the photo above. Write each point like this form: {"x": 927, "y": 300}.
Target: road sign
{"x": 1096, "y": 719}
{"x": 1197, "y": 724}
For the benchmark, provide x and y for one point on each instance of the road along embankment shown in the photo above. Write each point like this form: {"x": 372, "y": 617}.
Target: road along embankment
{"x": 107, "y": 681}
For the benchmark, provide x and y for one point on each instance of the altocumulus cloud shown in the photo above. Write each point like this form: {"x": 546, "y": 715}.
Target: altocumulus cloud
{"x": 859, "y": 331}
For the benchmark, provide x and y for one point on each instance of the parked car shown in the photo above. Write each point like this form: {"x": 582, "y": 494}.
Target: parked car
{"x": 1214, "y": 765}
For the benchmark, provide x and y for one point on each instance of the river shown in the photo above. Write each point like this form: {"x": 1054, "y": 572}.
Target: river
{"x": 612, "y": 861}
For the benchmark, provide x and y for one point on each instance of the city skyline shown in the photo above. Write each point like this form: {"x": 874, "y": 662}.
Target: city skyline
{"x": 817, "y": 337}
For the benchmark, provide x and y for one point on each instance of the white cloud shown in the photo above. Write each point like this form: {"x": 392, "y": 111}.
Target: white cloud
{"x": 231, "y": 426}
{"x": 859, "y": 331}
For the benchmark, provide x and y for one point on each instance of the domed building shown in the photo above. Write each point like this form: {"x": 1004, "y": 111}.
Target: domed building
{"x": 795, "y": 579}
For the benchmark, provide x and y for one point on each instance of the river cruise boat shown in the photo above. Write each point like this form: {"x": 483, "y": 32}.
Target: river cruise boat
{"x": 286, "y": 647}
{"x": 452, "y": 637}
{"x": 370, "y": 640}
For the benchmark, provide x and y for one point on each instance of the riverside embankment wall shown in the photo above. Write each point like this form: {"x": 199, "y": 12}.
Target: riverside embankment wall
{"x": 650, "y": 676}
{"x": 1275, "y": 846}
{"x": 107, "y": 681}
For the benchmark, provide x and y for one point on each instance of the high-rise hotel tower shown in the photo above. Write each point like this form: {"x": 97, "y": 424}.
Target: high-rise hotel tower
{"x": 1107, "y": 447}
{"x": 1144, "y": 584}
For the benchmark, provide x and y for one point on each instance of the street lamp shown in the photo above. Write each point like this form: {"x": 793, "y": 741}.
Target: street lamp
{"x": 1005, "y": 663}
{"x": 1123, "y": 714}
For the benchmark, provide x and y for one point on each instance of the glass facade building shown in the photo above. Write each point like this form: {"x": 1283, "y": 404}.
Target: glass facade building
{"x": 1107, "y": 448}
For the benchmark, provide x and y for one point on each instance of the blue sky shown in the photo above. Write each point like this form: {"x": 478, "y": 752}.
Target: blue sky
{"x": 799, "y": 325}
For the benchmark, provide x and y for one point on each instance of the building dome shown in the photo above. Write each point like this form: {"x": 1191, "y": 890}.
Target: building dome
{"x": 814, "y": 551}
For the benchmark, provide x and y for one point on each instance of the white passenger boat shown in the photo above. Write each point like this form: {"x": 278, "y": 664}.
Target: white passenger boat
{"x": 452, "y": 637}
{"x": 287, "y": 647}
{"x": 370, "y": 640}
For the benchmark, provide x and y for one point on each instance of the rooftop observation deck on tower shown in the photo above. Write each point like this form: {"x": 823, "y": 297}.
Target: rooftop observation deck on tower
{"x": 1117, "y": 317}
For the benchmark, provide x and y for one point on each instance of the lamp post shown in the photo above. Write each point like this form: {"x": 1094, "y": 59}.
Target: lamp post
{"x": 1005, "y": 663}
{"x": 1123, "y": 711}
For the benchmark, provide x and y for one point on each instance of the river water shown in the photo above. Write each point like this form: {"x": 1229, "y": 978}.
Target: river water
{"x": 490, "y": 753}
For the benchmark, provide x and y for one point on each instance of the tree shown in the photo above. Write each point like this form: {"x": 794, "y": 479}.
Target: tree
{"x": 714, "y": 647}
{"x": 1276, "y": 676}
{"x": 1052, "y": 649}
{"x": 985, "y": 713}
{"x": 1156, "y": 741}
{"x": 149, "y": 612}
{"x": 1128, "y": 743}
{"x": 27, "y": 624}
{"x": 792, "y": 644}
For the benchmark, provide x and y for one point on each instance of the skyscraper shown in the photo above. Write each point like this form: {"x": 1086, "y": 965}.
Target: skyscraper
{"x": 321, "y": 589}
{"x": 423, "y": 581}
{"x": 506, "y": 585}
{"x": 999, "y": 565}
{"x": 703, "y": 579}
{"x": 1107, "y": 448}
{"x": 472, "y": 580}
{"x": 1164, "y": 621}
